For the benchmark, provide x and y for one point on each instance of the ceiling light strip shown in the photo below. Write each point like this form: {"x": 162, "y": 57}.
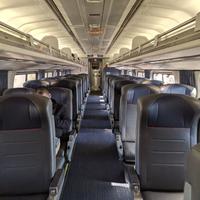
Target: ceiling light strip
{"x": 129, "y": 16}
{"x": 57, "y": 12}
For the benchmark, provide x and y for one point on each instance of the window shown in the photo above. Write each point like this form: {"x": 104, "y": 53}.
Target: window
{"x": 158, "y": 76}
{"x": 31, "y": 76}
{"x": 130, "y": 72}
{"x": 50, "y": 74}
{"x": 167, "y": 78}
{"x": 19, "y": 80}
{"x": 140, "y": 74}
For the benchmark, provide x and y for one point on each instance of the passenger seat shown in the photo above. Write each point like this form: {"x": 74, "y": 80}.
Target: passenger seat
{"x": 192, "y": 185}
{"x": 128, "y": 116}
{"x": 28, "y": 159}
{"x": 167, "y": 129}
{"x": 14, "y": 91}
{"x": 179, "y": 89}
{"x": 63, "y": 97}
{"x": 34, "y": 84}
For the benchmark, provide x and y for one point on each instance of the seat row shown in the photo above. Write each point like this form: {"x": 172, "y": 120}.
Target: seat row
{"x": 156, "y": 127}
{"x": 34, "y": 165}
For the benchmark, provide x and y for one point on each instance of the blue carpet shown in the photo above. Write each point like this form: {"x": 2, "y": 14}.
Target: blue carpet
{"x": 95, "y": 165}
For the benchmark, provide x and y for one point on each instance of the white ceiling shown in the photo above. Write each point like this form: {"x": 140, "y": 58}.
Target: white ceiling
{"x": 153, "y": 17}
{"x": 36, "y": 18}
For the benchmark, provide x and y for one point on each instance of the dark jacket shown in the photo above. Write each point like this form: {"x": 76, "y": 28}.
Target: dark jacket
{"x": 62, "y": 122}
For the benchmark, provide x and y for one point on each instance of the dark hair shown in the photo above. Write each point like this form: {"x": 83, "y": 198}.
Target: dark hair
{"x": 42, "y": 90}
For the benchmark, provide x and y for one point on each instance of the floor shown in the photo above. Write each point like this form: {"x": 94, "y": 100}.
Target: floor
{"x": 96, "y": 172}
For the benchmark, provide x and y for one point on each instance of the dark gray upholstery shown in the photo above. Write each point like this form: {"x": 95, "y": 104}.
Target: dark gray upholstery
{"x": 72, "y": 85}
{"x": 27, "y": 158}
{"x": 117, "y": 94}
{"x": 111, "y": 79}
{"x": 179, "y": 89}
{"x": 80, "y": 89}
{"x": 167, "y": 128}
{"x": 192, "y": 185}
{"x": 34, "y": 84}
{"x": 85, "y": 83}
{"x": 112, "y": 92}
{"x": 152, "y": 82}
{"x": 15, "y": 91}
{"x": 128, "y": 115}
{"x": 106, "y": 86}
{"x": 137, "y": 79}
{"x": 63, "y": 97}
{"x": 107, "y": 71}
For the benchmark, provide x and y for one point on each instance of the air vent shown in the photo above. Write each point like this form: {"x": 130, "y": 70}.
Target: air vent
{"x": 94, "y": 15}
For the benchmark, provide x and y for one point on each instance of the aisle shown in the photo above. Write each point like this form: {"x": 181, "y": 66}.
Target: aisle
{"x": 95, "y": 172}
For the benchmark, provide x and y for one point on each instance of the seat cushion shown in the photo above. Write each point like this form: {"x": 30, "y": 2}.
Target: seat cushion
{"x": 148, "y": 195}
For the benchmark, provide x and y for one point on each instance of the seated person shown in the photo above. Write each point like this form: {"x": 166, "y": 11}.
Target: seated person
{"x": 62, "y": 123}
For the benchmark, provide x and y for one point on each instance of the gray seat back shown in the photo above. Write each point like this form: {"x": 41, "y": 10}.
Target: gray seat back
{"x": 27, "y": 158}
{"x": 80, "y": 89}
{"x": 128, "y": 115}
{"x": 106, "y": 72}
{"x": 34, "y": 84}
{"x": 80, "y": 86}
{"x": 153, "y": 82}
{"x": 117, "y": 95}
{"x": 192, "y": 185}
{"x": 112, "y": 92}
{"x": 167, "y": 128}
{"x": 72, "y": 85}
{"x": 63, "y": 97}
{"x": 179, "y": 89}
{"x": 16, "y": 91}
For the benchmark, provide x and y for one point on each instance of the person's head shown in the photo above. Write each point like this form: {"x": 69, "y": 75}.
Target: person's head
{"x": 43, "y": 92}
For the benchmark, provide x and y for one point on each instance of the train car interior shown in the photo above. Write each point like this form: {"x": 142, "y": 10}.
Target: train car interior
{"x": 99, "y": 100}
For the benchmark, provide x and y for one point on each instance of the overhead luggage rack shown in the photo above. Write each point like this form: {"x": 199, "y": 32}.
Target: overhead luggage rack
{"x": 13, "y": 37}
{"x": 183, "y": 33}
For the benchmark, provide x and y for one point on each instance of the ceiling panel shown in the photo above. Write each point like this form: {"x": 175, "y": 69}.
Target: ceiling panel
{"x": 155, "y": 17}
{"x": 117, "y": 11}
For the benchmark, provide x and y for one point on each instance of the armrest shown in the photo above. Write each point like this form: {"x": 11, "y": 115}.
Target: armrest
{"x": 133, "y": 181}
{"x": 57, "y": 183}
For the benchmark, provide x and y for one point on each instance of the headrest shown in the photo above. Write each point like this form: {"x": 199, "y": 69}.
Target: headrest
{"x": 167, "y": 128}
{"x": 179, "y": 89}
{"x": 137, "y": 79}
{"x": 170, "y": 111}
{"x": 67, "y": 83}
{"x": 60, "y": 95}
{"x": 36, "y": 84}
{"x": 153, "y": 82}
{"x": 121, "y": 83}
{"x": 19, "y": 112}
{"x": 134, "y": 92}
{"x": 15, "y": 91}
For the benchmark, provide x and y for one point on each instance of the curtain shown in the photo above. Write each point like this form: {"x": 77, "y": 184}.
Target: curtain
{"x": 147, "y": 73}
{"x": 187, "y": 77}
{"x": 3, "y": 80}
